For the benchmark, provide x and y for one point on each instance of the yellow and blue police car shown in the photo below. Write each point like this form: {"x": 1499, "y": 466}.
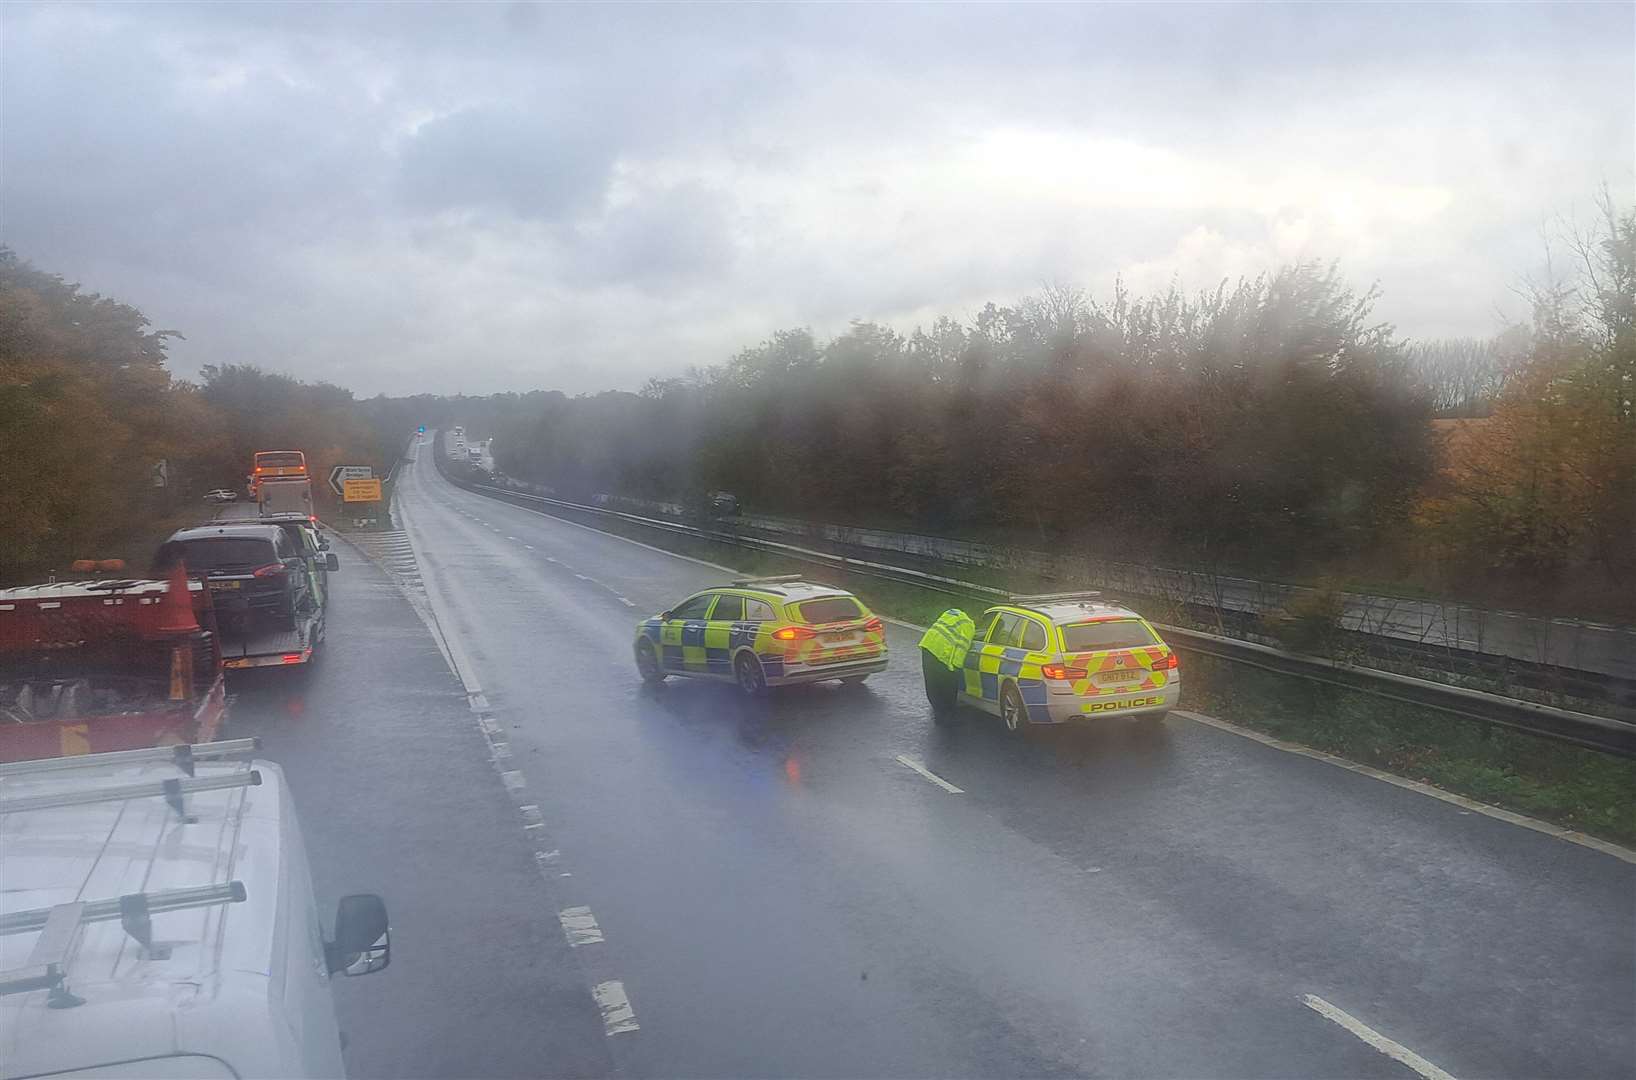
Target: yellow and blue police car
{"x": 1058, "y": 657}
{"x": 763, "y": 632}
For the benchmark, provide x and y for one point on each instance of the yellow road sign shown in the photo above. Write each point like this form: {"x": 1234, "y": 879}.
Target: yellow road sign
{"x": 361, "y": 491}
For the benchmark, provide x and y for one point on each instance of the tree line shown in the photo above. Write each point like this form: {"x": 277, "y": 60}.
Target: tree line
{"x": 1270, "y": 425}
{"x": 89, "y": 411}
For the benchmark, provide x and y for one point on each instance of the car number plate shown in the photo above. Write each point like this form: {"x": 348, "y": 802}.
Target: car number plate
{"x": 224, "y": 584}
{"x": 840, "y": 638}
{"x": 1128, "y": 675}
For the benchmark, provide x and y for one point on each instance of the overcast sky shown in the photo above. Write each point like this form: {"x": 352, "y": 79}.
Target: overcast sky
{"x": 474, "y": 198}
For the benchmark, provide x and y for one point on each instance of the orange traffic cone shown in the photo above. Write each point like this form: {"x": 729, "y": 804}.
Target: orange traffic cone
{"x": 176, "y": 609}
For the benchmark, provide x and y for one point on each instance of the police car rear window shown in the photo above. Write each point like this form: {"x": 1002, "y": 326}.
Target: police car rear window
{"x": 1109, "y": 634}
{"x": 829, "y": 609}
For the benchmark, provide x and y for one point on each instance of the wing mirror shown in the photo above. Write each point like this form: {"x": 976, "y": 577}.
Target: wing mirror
{"x": 664, "y": 615}
{"x": 363, "y": 938}
{"x": 331, "y": 562}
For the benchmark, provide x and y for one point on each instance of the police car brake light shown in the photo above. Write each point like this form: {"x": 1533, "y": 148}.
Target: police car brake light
{"x": 873, "y": 624}
{"x": 1170, "y": 663}
{"x": 793, "y": 633}
{"x": 1062, "y": 671}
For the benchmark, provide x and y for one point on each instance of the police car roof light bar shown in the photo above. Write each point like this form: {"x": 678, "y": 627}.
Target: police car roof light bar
{"x": 182, "y": 755}
{"x": 1040, "y": 598}
{"x": 59, "y": 925}
{"x": 172, "y": 790}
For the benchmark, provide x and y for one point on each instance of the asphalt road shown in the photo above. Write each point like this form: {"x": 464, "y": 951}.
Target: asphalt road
{"x": 396, "y": 795}
{"x": 776, "y": 893}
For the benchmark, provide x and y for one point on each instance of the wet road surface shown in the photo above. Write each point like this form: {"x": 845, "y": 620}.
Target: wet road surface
{"x": 775, "y": 892}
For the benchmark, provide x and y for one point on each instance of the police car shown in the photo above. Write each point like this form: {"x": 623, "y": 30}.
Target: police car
{"x": 761, "y": 633}
{"x": 1059, "y": 657}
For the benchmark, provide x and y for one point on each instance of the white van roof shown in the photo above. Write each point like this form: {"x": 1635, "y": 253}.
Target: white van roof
{"x": 209, "y": 963}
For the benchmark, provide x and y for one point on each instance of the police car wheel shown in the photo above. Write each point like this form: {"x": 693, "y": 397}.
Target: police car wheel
{"x": 1012, "y": 709}
{"x": 647, "y": 662}
{"x": 751, "y": 679}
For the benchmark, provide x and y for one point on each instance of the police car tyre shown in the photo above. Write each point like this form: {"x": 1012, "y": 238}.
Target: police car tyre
{"x": 647, "y": 663}
{"x": 751, "y": 679}
{"x": 1012, "y": 709}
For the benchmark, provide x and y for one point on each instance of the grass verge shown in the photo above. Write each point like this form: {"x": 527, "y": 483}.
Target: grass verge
{"x": 1592, "y": 792}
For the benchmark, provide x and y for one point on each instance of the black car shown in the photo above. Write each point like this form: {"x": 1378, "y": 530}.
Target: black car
{"x": 252, "y": 571}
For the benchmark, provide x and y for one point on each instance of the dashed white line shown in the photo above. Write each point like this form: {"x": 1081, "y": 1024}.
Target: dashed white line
{"x": 1392, "y": 1049}
{"x": 617, "y": 1014}
{"x": 627, "y": 603}
{"x": 928, "y": 774}
{"x": 529, "y": 546}
{"x": 513, "y": 781}
{"x": 511, "y": 538}
{"x": 580, "y": 926}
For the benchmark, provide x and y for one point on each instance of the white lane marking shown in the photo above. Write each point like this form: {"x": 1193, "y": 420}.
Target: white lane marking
{"x": 617, "y": 1014}
{"x": 533, "y": 817}
{"x": 928, "y": 774}
{"x": 513, "y": 781}
{"x": 1560, "y": 832}
{"x": 1392, "y": 1049}
{"x": 513, "y": 538}
{"x": 529, "y": 546}
{"x": 622, "y": 600}
{"x": 580, "y": 926}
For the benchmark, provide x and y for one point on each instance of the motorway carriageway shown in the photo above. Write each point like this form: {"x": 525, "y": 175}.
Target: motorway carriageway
{"x": 591, "y": 877}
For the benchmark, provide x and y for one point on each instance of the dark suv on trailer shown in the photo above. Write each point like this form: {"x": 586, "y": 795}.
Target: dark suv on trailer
{"x": 251, "y": 570}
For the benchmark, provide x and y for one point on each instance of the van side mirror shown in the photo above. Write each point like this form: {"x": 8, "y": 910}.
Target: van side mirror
{"x": 331, "y": 562}
{"x": 664, "y": 615}
{"x": 323, "y": 543}
{"x": 363, "y": 938}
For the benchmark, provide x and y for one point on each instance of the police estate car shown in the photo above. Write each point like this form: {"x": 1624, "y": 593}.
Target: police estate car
{"x": 761, "y": 633}
{"x": 1057, "y": 657}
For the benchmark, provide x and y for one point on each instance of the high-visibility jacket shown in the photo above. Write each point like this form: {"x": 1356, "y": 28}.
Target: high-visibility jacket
{"x": 949, "y": 638}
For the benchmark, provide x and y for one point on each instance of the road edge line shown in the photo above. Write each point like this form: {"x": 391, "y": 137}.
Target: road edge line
{"x": 1374, "y": 1039}
{"x": 1560, "y": 832}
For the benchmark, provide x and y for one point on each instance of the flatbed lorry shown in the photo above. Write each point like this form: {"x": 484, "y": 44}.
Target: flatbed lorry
{"x": 270, "y": 586}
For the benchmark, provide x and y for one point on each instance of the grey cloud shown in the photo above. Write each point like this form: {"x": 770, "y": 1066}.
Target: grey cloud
{"x": 525, "y": 164}
{"x": 484, "y": 197}
{"x": 663, "y": 239}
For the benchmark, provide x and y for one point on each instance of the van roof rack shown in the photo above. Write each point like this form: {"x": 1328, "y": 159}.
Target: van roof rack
{"x": 47, "y": 965}
{"x": 183, "y": 756}
{"x": 172, "y": 790}
{"x": 775, "y": 579}
{"x": 1054, "y": 597}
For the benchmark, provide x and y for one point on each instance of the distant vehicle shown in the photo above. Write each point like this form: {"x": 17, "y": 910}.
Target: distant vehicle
{"x": 272, "y": 464}
{"x": 107, "y": 664}
{"x": 221, "y": 495}
{"x": 722, "y": 504}
{"x": 761, "y": 633}
{"x": 159, "y": 920}
{"x": 475, "y": 453}
{"x": 286, "y": 495}
{"x": 1060, "y": 657}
